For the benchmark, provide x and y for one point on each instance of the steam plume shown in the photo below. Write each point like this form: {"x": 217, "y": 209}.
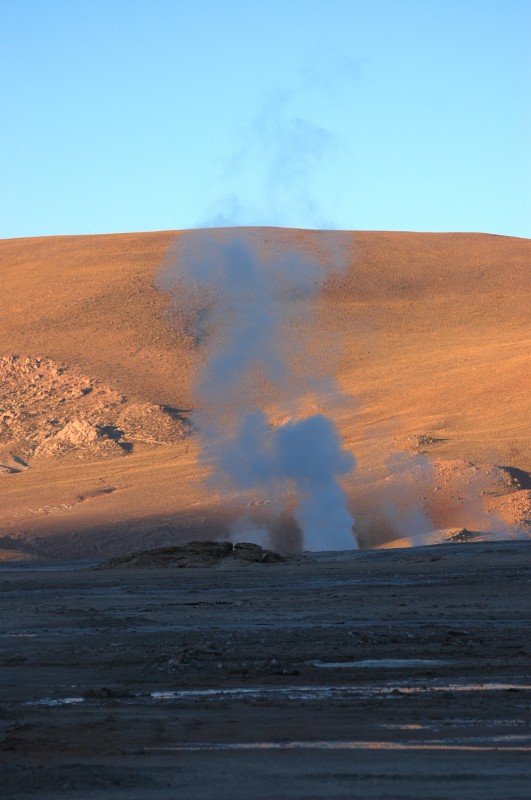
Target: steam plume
{"x": 257, "y": 367}
{"x": 404, "y": 498}
{"x": 273, "y": 176}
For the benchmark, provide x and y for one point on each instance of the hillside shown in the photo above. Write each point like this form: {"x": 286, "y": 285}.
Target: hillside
{"x": 98, "y": 455}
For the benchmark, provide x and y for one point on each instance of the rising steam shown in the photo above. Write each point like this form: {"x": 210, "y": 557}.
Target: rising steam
{"x": 258, "y": 379}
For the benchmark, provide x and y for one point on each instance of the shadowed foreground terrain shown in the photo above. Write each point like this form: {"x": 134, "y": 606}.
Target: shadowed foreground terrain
{"x": 431, "y": 340}
{"x": 395, "y": 673}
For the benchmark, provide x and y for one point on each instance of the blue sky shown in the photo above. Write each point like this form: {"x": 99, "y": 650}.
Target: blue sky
{"x": 134, "y": 115}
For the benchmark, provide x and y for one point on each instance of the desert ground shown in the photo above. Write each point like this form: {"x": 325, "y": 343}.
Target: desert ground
{"x": 431, "y": 343}
{"x": 398, "y": 673}
{"x": 398, "y": 670}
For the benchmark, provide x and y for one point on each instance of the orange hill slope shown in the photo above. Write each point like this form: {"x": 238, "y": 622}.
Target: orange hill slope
{"x": 96, "y": 452}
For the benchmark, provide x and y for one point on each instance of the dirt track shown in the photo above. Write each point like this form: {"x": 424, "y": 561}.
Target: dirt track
{"x": 250, "y": 704}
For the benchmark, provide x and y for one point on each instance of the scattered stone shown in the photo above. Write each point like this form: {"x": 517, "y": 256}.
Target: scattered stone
{"x": 253, "y": 552}
{"x": 421, "y": 440}
{"x": 4, "y": 470}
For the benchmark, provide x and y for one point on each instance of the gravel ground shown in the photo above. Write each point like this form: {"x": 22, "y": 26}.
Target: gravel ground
{"x": 376, "y": 674}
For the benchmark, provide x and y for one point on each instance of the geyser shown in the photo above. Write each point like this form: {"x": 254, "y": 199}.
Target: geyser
{"x": 256, "y": 367}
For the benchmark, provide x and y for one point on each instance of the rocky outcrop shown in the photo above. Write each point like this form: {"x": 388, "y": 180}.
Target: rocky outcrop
{"x": 47, "y": 409}
{"x": 196, "y": 554}
{"x": 82, "y": 436}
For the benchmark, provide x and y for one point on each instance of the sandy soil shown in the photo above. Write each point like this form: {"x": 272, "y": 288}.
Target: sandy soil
{"x": 384, "y": 674}
{"x": 397, "y": 673}
{"x": 432, "y": 344}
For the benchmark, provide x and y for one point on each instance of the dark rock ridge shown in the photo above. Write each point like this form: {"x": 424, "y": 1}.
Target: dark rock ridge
{"x": 196, "y": 554}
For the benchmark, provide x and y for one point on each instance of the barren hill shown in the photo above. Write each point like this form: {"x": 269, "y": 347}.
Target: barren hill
{"x": 98, "y": 455}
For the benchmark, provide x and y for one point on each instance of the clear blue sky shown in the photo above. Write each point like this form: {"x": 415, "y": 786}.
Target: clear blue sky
{"x": 133, "y": 115}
